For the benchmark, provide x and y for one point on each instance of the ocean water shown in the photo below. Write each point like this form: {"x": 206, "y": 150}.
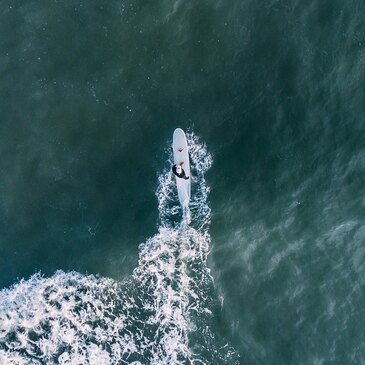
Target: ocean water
{"x": 97, "y": 265}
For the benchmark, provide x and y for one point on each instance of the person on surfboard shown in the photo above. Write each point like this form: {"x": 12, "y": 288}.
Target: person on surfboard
{"x": 179, "y": 171}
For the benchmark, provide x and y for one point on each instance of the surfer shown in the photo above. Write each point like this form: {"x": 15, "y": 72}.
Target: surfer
{"x": 179, "y": 171}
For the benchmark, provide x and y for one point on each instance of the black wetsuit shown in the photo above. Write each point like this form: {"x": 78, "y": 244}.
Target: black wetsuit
{"x": 182, "y": 175}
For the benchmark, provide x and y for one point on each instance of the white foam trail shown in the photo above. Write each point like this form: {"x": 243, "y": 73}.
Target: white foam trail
{"x": 74, "y": 319}
{"x": 165, "y": 271}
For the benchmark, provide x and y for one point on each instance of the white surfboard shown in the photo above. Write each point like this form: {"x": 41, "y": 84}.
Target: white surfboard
{"x": 181, "y": 155}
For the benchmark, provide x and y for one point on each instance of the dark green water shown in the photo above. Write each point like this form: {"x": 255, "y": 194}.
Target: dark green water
{"x": 90, "y": 94}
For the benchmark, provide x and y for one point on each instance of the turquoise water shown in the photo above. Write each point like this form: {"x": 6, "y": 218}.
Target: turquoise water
{"x": 96, "y": 264}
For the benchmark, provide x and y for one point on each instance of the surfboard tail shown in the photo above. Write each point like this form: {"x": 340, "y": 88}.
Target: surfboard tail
{"x": 186, "y": 215}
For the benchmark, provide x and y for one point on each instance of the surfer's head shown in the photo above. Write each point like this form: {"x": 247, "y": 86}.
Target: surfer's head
{"x": 178, "y": 169}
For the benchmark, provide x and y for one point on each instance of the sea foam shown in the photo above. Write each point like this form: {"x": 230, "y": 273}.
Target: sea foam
{"x": 150, "y": 318}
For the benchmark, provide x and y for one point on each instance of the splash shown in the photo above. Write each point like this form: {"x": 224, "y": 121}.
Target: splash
{"x": 159, "y": 316}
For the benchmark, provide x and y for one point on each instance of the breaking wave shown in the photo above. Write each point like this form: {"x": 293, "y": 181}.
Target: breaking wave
{"x": 160, "y": 315}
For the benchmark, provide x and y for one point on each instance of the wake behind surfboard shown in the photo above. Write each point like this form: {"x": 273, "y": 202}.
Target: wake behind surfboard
{"x": 181, "y": 157}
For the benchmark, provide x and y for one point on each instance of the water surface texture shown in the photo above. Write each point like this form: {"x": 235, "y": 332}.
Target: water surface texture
{"x": 97, "y": 265}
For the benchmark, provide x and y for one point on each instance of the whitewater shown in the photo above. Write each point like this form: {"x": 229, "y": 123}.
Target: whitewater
{"x": 159, "y": 315}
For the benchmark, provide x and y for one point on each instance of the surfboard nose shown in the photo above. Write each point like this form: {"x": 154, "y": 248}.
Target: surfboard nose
{"x": 178, "y": 132}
